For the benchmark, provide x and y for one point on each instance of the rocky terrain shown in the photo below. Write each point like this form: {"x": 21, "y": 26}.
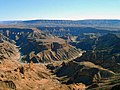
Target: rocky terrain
{"x": 20, "y": 76}
{"x": 103, "y": 51}
{"x": 83, "y": 72}
{"x": 16, "y": 76}
{"x": 34, "y": 59}
{"x": 8, "y": 50}
{"x": 93, "y": 76}
{"x": 67, "y": 75}
{"x": 40, "y": 47}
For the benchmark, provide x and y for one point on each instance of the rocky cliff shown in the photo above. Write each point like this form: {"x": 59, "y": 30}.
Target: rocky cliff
{"x": 7, "y": 49}
{"x": 83, "y": 72}
{"x": 56, "y": 74}
{"x": 40, "y": 47}
{"x": 70, "y": 75}
{"x": 20, "y": 76}
{"x": 103, "y": 51}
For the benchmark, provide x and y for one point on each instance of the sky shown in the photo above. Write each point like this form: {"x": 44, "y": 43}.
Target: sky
{"x": 59, "y": 9}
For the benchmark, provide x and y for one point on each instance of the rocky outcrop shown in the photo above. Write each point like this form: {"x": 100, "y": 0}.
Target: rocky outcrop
{"x": 102, "y": 58}
{"x": 17, "y": 76}
{"x": 21, "y": 76}
{"x": 104, "y": 51}
{"x": 7, "y": 85}
{"x": 116, "y": 87}
{"x": 65, "y": 53}
{"x": 83, "y": 72}
{"x": 47, "y": 48}
{"x": 4, "y": 38}
{"x": 78, "y": 86}
{"x": 8, "y": 51}
{"x": 40, "y": 47}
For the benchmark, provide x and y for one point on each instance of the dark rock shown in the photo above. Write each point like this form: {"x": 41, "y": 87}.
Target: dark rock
{"x": 116, "y": 87}
{"x": 83, "y": 72}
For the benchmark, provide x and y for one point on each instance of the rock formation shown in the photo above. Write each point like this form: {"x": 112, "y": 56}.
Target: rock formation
{"x": 83, "y": 72}
{"x": 8, "y": 50}
{"x": 26, "y": 76}
{"x": 51, "y": 72}
{"x": 40, "y": 47}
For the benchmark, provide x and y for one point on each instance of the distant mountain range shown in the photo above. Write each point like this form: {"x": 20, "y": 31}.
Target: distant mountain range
{"x": 100, "y": 23}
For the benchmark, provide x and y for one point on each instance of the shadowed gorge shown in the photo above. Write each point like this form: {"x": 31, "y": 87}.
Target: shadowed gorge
{"x": 60, "y": 55}
{"x": 59, "y": 45}
{"x": 40, "y": 47}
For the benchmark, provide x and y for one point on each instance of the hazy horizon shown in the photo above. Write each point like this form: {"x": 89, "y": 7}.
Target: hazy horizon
{"x": 55, "y": 19}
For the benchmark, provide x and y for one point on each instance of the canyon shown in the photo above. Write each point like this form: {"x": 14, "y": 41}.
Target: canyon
{"x": 56, "y": 57}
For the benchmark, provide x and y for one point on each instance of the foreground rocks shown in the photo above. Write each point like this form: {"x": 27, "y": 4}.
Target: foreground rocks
{"x": 17, "y": 76}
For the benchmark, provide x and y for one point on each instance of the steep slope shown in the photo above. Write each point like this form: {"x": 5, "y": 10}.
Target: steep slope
{"x": 36, "y": 46}
{"x": 105, "y": 52}
{"x": 7, "y": 49}
{"x": 108, "y": 42}
{"x": 20, "y": 76}
{"x": 40, "y": 47}
{"x": 83, "y": 72}
{"x": 16, "y": 76}
{"x": 93, "y": 76}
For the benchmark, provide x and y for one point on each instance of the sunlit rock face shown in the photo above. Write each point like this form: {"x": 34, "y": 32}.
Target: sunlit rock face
{"x": 40, "y": 47}
{"x": 26, "y": 76}
{"x": 7, "y": 49}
